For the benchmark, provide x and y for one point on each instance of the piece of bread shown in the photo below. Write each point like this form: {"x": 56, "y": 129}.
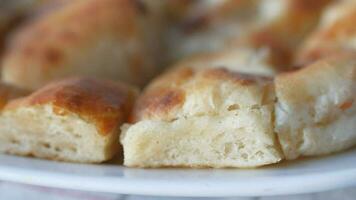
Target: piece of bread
{"x": 242, "y": 59}
{"x": 75, "y": 120}
{"x": 109, "y": 39}
{"x": 290, "y": 20}
{"x": 206, "y": 26}
{"x": 278, "y": 25}
{"x": 209, "y": 117}
{"x": 335, "y": 34}
{"x": 282, "y": 26}
{"x": 316, "y": 109}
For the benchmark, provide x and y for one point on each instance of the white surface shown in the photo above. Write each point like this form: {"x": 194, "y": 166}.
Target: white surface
{"x": 305, "y": 176}
{"x": 13, "y": 191}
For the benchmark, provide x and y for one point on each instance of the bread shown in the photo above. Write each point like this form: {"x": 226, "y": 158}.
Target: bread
{"x": 243, "y": 59}
{"x": 107, "y": 39}
{"x": 209, "y": 117}
{"x": 206, "y": 26}
{"x": 316, "y": 110}
{"x": 75, "y": 120}
{"x": 278, "y": 26}
{"x": 335, "y": 34}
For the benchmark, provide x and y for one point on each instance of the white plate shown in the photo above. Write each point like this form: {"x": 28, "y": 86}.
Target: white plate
{"x": 309, "y": 175}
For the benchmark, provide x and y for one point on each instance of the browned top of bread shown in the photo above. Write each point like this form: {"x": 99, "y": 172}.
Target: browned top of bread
{"x": 58, "y": 43}
{"x": 104, "y": 103}
{"x": 82, "y": 21}
{"x": 164, "y": 97}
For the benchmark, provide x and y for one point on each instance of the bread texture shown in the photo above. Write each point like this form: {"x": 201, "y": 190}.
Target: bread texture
{"x": 209, "y": 117}
{"x": 316, "y": 111}
{"x": 75, "y": 120}
{"x": 335, "y": 34}
{"x": 108, "y": 39}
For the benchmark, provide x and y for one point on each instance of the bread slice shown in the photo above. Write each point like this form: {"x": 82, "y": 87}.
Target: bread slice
{"x": 108, "y": 39}
{"x": 316, "y": 110}
{"x": 73, "y": 120}
{"x": 209, "y": 117}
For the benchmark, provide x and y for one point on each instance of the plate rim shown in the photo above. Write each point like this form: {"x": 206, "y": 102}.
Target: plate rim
{"x": 284, "y": 185}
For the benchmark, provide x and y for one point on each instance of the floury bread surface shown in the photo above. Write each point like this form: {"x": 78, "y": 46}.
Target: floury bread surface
{"x": 74, "y": 120}
{"x": 203, "y": 118}
{"x": 315, "y": 109}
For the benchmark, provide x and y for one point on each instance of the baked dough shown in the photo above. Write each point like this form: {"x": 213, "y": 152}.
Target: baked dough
{"x": 73, "y": 120}
{"x": 316, "y": 109}
{"x": 243, "y": 59}
{"x": 107, "y": 39}
{"x": 212, "y": 117}
{"x": 335, "y": 34}
{"x": 202, "y": 118}
{"x": 277, "y": 26}
{"x": 206, "y": 26}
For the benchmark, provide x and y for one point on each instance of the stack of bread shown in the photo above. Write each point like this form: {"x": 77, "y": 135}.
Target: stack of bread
{"x": 251, "y": 82}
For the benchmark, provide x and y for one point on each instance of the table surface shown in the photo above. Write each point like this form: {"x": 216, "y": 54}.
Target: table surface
{"x": 14, "y": 191}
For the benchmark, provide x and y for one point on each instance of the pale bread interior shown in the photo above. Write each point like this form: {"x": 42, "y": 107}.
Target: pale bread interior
{"x": 40, "y": 132}
{"x": 239, "y": 138}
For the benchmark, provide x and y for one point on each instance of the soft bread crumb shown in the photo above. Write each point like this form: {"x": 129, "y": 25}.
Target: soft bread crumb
{"x": 38, "y": 131}
{"x": 75, "y": 120}
{"x": 242, "y": 138}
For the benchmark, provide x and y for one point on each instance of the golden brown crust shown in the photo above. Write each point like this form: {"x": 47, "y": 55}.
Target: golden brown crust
{"x": 160, "y": 101}
{"x": 162, "y": 95}
{"x": 167, "y": 93}
{"x": 105, "y": 103}
{"x": 34, "y": 40}
{"x": 54, "y": 46}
